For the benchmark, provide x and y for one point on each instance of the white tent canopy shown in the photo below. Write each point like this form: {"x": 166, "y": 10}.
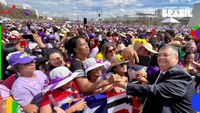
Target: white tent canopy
{"x": 170, "y": 21}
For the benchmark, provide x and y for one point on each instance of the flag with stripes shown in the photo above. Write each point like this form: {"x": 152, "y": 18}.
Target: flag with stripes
{"x": 103, "y": 103}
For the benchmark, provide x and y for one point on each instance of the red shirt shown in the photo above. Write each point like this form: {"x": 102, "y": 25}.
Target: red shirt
{"x": 9, "y": 81}
{"x": 57, "y": 95}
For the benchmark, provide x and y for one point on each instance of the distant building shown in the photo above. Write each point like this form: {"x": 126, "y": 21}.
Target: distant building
{"x": 3, "y": 2}
{"x": 142, "y": 15}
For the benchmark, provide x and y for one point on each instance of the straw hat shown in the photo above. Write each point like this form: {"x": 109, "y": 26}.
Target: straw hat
{"x": 178, "y": 37}
{"x": 123, "y": 34}
{"x": 61, "y": 34}
{"x": 130, "y": 33}
{"x": 175, "y": 43}
{"x": 117, "y": 60}
{"x": 147, "y": 46}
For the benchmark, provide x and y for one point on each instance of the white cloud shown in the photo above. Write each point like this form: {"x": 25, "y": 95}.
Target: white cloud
{"x": 138, "y": 4}
{"x": 87, "y": 2}
{"x": 177, "y": 1}
{"x": 122, "y": 10}
{"x": 111, "y": 3}
{"x": 45, "y": 12}
{"x": 67, "y": 0}
{"x": 173, "y": 1}
{"x": 123, "y": 2}
{"x": 75, "y": 8}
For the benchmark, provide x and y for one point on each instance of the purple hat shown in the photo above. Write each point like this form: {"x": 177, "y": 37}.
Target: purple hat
{"x": 92, "y": 35}
{"x": 51, "y": 37}
{"x": 25, "y": 31}
{"x": 18, "y": 58}
{"x": 142, "y": 35}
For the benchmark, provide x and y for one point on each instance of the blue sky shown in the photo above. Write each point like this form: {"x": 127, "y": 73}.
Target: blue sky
{"x": 108, "y": 8}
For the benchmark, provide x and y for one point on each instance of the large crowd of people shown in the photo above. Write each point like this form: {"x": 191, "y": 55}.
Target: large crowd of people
{"x": 159, "y": 65}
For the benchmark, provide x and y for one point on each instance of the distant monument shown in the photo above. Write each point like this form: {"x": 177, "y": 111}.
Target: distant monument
{"x": 195, "y": 20}
{"x": 3, "y": 2}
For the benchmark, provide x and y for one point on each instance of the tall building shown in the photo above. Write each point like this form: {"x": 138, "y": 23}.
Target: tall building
{"x": 3, "y": 2}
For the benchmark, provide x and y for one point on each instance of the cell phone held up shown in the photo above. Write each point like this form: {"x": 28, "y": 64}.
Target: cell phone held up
{"x": 29, "y": 36}
{"x": 52, "y": 102}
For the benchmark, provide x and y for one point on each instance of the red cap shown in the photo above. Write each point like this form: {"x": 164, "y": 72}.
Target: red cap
{"x": 12, "y": 37}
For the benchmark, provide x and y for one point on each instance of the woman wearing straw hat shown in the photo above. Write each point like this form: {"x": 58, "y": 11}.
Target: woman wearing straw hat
{"x": 118, "y": 66}
{"x": 61, "y": 90}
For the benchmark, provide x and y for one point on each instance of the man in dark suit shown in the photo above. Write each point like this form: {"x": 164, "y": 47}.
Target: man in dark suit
{"x": 170, "y": 91}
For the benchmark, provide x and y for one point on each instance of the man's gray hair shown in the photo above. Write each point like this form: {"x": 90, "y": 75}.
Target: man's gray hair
{"x": 174, "y": 49}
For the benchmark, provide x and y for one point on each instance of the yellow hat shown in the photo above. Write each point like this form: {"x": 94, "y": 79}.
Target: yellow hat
{"x": 143, "y": 41}
{"x": 99, "y": 56}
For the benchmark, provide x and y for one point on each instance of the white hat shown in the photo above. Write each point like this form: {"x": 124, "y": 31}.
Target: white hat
{"x": 91, "y": 64}
{"x": 14, "y": 32}
{"x": 130, "y": 33}
{"x": 123, "y": 34}
{"x": 60, "y": 76}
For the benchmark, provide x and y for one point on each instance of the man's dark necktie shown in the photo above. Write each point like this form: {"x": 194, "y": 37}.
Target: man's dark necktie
{"x": 160, "y": 77}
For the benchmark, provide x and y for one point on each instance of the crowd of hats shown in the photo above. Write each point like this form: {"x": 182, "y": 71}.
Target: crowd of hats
{"x": 63, "y": 27}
